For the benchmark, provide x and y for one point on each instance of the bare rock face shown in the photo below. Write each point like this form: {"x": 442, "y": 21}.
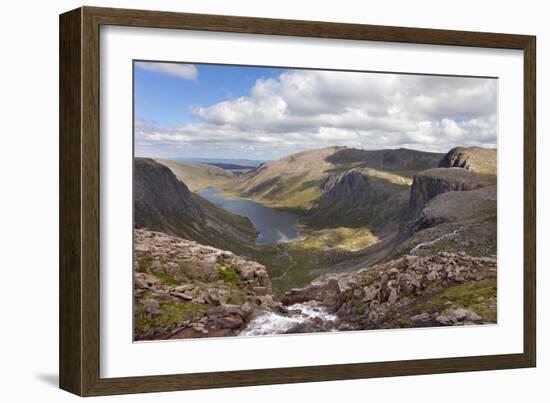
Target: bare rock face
{"x": 184, "y": 289}
{"x": 451, "y": 209}
{"x": 475, "y": 159}
{"x": 358, "y": 197}
{"x": 428, "y": 184}
{"x": 407, "y": 292}
{"x": 159, "y": 195}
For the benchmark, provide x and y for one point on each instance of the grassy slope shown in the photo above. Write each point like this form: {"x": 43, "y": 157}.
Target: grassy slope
{"x": 293, "y": 182}
{"x": 197, "y": 176}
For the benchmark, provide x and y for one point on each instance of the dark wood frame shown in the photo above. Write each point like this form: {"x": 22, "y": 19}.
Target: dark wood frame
{"x": 79, "y": 200}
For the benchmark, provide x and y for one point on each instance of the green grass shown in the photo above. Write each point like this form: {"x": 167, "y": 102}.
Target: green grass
{"x": 297, "y": 262}
{"x": 171, "y": 314}
{"x": 166, "y": 279}
{"x": 236, "y": 300}
{"x": 300, "y": 195}
{"x": 144, "y": 261}
{"x": 344, "y": 238}
{"x": 478, "y": 296}
{"x": 229, "y": 274}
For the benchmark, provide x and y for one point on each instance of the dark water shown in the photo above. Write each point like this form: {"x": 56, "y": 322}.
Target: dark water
{"x": 273, "y": 225}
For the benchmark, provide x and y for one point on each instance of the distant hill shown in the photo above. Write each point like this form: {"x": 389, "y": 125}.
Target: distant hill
{"x": 291, "y": 182}
{"x": 296, "y": 180}
{"x": 164, "y": 203}
{"x": 476, "y": 159}
{"x": 403, "y": 161}
{"x": 230, "y": 167}
{"x": 198, "y": 176}
{"x": 231, "y": 161}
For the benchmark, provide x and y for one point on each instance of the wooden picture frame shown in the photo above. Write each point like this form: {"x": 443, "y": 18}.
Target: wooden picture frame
{"x": 80, "y": 199}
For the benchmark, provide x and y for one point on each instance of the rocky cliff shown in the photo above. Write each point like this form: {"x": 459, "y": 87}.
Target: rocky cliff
{"x": 412, "y": 291}
{"x": 184, "y": 289}
{"x": 432, "y": 182}
{"x": 358, "y": 197}
{"x": 450, "y": 209}
{"x": 162, "y": 202}
{"x": 476, "y": 159}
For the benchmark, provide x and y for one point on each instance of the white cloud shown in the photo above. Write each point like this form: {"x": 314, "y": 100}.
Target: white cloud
{"x": 185, "y": 71}
{"x": 303, "y": 109}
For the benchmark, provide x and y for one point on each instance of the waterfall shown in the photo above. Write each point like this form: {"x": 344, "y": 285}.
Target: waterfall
{"x": 274, "y": 323}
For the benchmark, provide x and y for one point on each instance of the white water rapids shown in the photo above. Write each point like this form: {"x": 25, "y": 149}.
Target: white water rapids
{"x": 274, "y": 323}
{"x": 434, "y": 241}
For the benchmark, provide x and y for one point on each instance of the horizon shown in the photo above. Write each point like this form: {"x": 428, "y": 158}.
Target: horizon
{"x": 204, "y": 159}
{"x": 266, "y": 113}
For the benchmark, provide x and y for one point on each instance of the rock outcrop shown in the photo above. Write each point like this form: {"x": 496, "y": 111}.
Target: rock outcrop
{"x": 164, "y": 203}
{"x": 450, "y": 209}
{"x": 442, "y": 289}
{"x": 184, "y": 289}
{"x": 358, "y": 197}
{"x": 432, "y": 182}
{"x": 476, "y": 159}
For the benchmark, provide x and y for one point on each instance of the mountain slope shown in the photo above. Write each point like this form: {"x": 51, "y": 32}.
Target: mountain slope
{"x": 163, "y": 203}
{"x": 197, "y": 176}
{"x": 296, "y": 180}
{"x": 476, "y": 159}
{"x": 359, "y": 198}
{"x": 403, "y": 161}
{"x": 291, "y": 182}
{"x": 451, "y": 209}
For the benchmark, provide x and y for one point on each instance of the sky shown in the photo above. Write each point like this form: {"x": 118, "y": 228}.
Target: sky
{"x": 263, "y": 113}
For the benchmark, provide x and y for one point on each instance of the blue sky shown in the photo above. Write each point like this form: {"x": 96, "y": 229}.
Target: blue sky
{"x": 166, "y": 99}
{"x": 187, "y": 110}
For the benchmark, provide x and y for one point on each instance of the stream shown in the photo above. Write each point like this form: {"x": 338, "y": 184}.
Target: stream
{"x": 300, "y": 315}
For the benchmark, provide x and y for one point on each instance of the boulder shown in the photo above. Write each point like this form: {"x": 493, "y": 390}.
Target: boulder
{"x": 152, "y": 306}
{"x": 230, "y": 322}
{"x": 370, "y": 293}
{"x": 260, "y": 290}
{"x": 421, "y": 317}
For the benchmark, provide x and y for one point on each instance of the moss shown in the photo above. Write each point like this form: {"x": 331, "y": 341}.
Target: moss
{"x": 166, "y": 279}
{"x": 171, "y": 313}
{"x": 478, "y": 296}
{"x": 229, "y": 274}
{"x": 144, "y": 261}
{"x": 405, "y": 322}
{"x": 236, "y": 300}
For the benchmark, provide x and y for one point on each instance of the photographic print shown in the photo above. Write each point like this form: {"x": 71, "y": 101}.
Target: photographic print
{"x": 271, "y": 201}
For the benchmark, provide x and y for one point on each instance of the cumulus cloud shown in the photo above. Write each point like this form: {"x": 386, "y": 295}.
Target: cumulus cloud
{"x": 302, "y": 109}
{"x": 185, "y": 71}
